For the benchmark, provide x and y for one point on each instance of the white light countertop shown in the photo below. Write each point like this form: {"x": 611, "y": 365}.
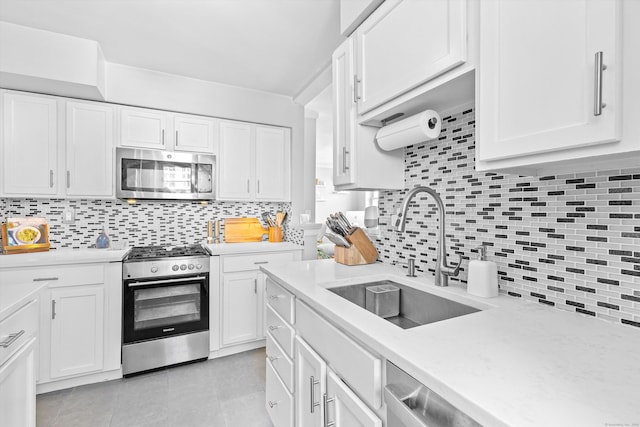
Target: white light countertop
{"x": 514, "y": 363}
{"x": 13, "y": 296}
{"x": 62, "y": 256}
{"x": 251, "y": 247}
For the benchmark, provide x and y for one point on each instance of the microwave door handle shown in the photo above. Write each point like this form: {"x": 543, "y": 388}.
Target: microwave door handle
{"x": 194, "y": 178}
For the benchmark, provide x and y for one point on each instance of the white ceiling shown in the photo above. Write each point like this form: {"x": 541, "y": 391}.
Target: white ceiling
{"x": 277, "y": 46}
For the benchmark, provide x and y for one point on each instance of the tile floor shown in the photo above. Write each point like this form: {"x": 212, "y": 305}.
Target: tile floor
{"x": 225, "y": 392}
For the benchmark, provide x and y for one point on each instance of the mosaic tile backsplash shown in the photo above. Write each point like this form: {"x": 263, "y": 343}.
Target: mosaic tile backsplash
{"x": 143, "y": 224}
{"x": 571, "y": 241}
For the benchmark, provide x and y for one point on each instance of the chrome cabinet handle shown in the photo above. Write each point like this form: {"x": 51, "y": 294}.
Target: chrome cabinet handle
{"x": 162, "y": 136}
{"x": 272, "y": 359}
{"x": 261, "y": 262}
{"x": 345, "y": 153}
{"x": 53, "y": 309}
{"x": 275, "y": 297}
{"x": 258, "y": 186}
{"x": 274, "y": 328}
{"x": 45, "y": 279}
{"x": 255, "y": 286}
{"x": 325, "y": 404}
{"x": 271, "y": 403}
{"x": 68, "y": 179}
{"x": 598, "y": 105}
{"x": 11, "y": 339}
{"x": 176, "y": 138}
{"x": 356, "y": 97}
{"x": 50, "y": 178}
{"x": 247, "y": 186}
{"x": 312, "y": 385}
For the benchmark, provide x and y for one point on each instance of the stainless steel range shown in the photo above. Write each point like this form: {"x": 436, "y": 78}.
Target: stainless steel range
{"x": 165, "y": 307}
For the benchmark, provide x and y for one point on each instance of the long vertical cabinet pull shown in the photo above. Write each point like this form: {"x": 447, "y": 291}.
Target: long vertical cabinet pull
{"x": 312, "y": 386}
{"x": 255, "y": 286}
{"x": 325, "y": 404}
{"x": 162, "y": 136}
{"x": 68, "y": 179}
{"x": 176, "y": 138}
{"x": 345, "y": 153}
{"x": 248, "y": 186}
{"x": 258, "y": 190}
{"x": 50, "y": 178}
{"x": 356, "y": 97}
{"x": 598, "y": 105}
{"x": 53, "y": 309}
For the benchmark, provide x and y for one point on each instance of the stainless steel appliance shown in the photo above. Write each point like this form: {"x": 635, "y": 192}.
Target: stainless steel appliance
{"x": 153, "y": 174}
{"x": 412, "y": 404}
{"x": 165, "y": 307}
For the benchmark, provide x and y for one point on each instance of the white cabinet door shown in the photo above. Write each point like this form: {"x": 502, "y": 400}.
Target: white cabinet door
{"x": 344, "y": 408}
{"x": 273, "y": 163}
{"x": 240, "y": 306}
{"x": 143, "y": 128}
{"x": 537, "y": 76}
{"x": 77, "y": 330}
{"x": 193, "y": 134}
{"x": 18, "y": 388}
{"x": 311, "y": 374}
{"x": 29, "y": 149}
{"x": 344, "y": 112}
{"x": 278, "y": 400}
{"x": 89, "y": 143}
{"x": 405, "y": 43}
{"x": 234, "y": 161}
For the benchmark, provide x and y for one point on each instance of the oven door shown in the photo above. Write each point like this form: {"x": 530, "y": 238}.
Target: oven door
{"x": 157, "y": 308}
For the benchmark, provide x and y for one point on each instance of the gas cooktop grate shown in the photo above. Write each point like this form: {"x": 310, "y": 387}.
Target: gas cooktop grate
{"x": 139, "y": 253}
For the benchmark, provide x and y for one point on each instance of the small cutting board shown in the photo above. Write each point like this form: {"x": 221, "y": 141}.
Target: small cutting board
{"x": 242, "y": 230}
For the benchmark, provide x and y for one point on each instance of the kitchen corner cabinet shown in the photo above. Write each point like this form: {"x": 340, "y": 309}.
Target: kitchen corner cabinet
{"x": 541, "y": 88}
{"x": 405, "y": 43}
{"x": 255, "y": 162}
{"x": 358, "y": 163}
{"x": 89, "y": 149}
{"x": 29, "y": 146}
{"x": 161, "y": 130}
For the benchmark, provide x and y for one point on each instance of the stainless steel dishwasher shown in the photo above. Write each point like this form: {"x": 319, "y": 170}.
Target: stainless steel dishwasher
{"x": 412, "y": 404}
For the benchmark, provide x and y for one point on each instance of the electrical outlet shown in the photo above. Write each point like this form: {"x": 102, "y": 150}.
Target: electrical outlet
{"x": 68, "y": 216}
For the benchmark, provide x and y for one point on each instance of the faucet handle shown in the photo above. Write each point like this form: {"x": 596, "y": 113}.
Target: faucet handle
{"x": 454, "y": 269}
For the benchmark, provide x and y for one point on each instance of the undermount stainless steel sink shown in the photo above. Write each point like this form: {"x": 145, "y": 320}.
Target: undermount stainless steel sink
{"x": 416, "y": 307}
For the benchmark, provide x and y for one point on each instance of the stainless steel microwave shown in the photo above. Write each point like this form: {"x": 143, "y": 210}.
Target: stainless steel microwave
{"x": 153, "y": 174}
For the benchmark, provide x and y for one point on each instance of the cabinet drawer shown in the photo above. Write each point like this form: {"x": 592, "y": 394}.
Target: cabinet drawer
{"x": 281, "y": 331}
{"x": 280, "y": 362}
{"x": 253, "y": 262}
{"x": 281, "y": 300}
{"x": 17, "y": 329}
{"x": 278, "y": 400}
{"x": 355, "y": 365}
{"x": 89, "y": 274}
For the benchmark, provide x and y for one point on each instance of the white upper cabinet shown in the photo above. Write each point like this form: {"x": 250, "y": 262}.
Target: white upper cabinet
{"x": 254, "y": 162}
{"x": 30, "y": 148}
{"x": 273, "y": 159}
{"x": 142, "y": 128}
{"x": 89, "y": 149}
{"x": 406, "y": 43}
{"x": 193, "y": 133}
{"x": 357, "y": 161}
{"x": 541, "y": 87}
{"x": 234, "y": 161}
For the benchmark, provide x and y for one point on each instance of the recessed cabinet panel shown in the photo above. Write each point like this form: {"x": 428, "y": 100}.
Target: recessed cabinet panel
{"x": 272, "y": 163}
{"x": 193, "y": 134}
{"x": 345, "y": 408}
{"x": 538, "y": 77}
{"x": 405, "y": 43}
{"x": 240, "y": 313}
{"x": 311, "y": 385}
{"x": 30, "y": 149}
{"x": 344, "y": 113}
{"x": 234, "y": 161}
{"x": 89, "y": 142}
{"x": 143, "y": 128}
{"x": 18, "y": 388}
{"x": 77, "y": 330}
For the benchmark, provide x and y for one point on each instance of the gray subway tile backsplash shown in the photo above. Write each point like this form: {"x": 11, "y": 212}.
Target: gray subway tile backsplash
{"x": 571, "y": 241}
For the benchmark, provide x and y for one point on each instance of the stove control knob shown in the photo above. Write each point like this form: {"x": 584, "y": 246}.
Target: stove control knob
{"x": 175, "y": 267}
{"x": 198, "y": 266}
{"x": 154, "y": 268}
{"x": 183, "y": 267}
{"x": 191, "y": 266}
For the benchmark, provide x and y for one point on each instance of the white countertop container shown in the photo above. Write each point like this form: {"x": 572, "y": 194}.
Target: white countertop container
{"x": 514, "y": 363}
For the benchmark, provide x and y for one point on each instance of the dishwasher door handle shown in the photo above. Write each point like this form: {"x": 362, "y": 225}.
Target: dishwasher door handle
{"x": 396, "y": 406}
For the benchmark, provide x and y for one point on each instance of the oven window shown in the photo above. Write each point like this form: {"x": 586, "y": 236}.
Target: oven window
{"x": 157, "y": 176}
{"x": 166, "y": 306}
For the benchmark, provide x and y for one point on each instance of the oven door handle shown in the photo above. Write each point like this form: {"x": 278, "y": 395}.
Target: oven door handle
{"x": 167, "y": 281}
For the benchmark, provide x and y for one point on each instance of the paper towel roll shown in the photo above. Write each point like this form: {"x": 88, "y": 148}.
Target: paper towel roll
{"x": 418, "y": 128}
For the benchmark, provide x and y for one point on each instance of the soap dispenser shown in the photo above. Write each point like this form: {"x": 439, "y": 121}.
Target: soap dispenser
{"x": 482, "y": 280}
{"x": 102, "y": 242}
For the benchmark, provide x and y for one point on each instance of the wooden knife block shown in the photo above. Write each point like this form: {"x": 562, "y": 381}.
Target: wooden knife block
{"x": 361, "y": 251}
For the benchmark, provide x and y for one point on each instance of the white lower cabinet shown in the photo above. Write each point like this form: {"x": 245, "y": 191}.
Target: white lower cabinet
{"x": 278, "y": 399}
{"x": 311, "y": 374}
{"x": 344, "y": 408}
{"x": 241, "y": 299}
{"x": 18, "y": 388}
{"x": 77, "y": 330}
